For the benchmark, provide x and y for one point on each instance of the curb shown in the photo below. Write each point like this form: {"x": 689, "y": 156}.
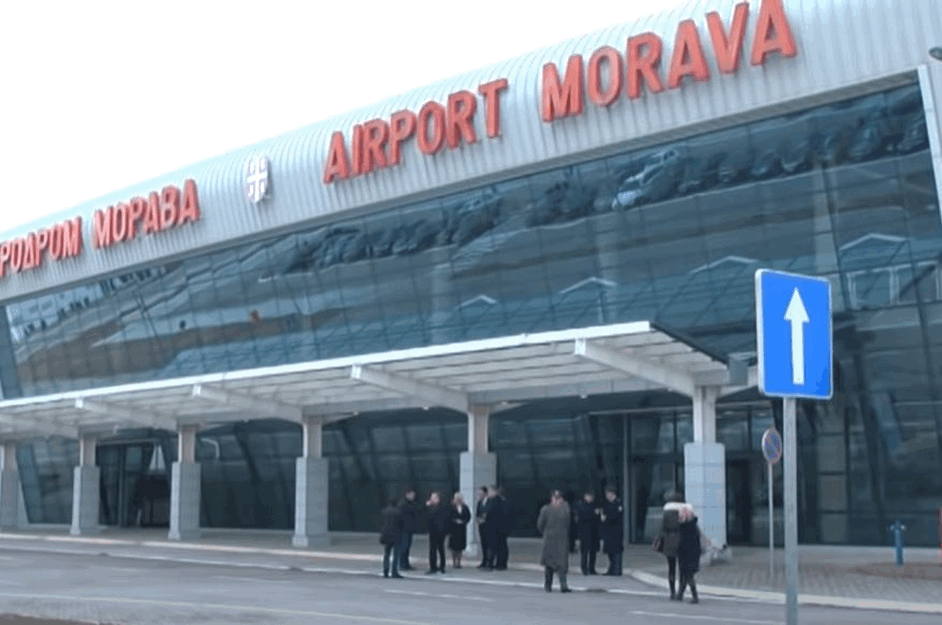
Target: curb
{"x": 803, "y": 599}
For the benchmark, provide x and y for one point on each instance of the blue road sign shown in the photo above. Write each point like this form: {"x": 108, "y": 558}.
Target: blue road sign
{"x": 772, "y": 445}
{"x": 793, "y": 333}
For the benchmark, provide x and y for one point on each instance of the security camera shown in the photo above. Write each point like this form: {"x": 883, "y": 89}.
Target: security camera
{"x": 936, "y": 53}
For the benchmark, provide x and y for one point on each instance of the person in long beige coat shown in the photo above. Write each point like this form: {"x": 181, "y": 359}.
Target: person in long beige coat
{"x": 553, "y": 525}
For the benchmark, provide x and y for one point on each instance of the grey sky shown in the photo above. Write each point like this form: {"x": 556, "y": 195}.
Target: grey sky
{"x": 102, "y": 94}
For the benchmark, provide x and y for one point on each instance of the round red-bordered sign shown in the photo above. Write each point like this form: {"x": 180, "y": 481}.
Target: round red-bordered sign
{"x": 772, "y": 445}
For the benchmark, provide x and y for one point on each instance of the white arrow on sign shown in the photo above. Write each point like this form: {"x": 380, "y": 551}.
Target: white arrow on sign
{"x": 797, "y": 316}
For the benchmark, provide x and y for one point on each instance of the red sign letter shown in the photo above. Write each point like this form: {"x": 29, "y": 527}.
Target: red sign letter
{"x": 461, "y": 108}
{"x": 491, "y": 92}
{"x": 190, "y": 211}
{"x": 401, "y": 127}
{"x": 338, "y": 165}
{"x": 687, "y": 59}
{"x": 728, "y": 50}
{"x": 773, "y": 33}
{"x": 101, "y": 228}
{"x": 375, "y": 134}
{"x": 169, "y": 206}
{"x": 436, "y": 112}
{"x": 644, "y": 56}
{"x": 562, "y": 100}
{"x": 598, "y": 94}
{"x": 71, "y": 237}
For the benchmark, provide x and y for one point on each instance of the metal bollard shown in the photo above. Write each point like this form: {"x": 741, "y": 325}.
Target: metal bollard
{"x": 897, "y": 529}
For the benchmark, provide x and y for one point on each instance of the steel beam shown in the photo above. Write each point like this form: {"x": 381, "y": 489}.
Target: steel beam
{"x": 673, "y": 379}
{"x": 122, "y": 414}
{"x": 39, "y": 426}
{"x": 259, "y": 407}
{"x": 427, "y": 394}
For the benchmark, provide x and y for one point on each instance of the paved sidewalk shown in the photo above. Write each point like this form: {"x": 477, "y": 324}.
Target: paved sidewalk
{"x": 839, "y": 576}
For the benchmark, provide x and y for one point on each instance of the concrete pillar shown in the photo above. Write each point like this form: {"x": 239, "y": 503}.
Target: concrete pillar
{"x": 185, "y": 488}
{"x": 9, "y": 487}
{"x": 478, "y": 467}
{"x": 705, "y": 468}
{"x": 312, "y": 471}
{"x": 85, "y": 489}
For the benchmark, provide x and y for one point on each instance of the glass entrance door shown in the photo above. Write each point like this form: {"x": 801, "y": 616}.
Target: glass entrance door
{"x": 739, "y": 478}
{"x": 135, "y": 487}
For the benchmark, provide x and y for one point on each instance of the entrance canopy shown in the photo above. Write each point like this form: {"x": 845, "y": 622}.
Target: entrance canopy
{"x": 605, "y": 359}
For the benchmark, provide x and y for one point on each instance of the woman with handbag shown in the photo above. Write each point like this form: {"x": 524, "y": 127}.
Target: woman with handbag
{"x": 689, "y": 550}
{"x": 668, "y": 539}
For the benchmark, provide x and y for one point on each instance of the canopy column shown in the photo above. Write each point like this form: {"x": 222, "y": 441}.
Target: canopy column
{"x": 705, "y": 467}
{"x": 9, "y": 486}
{"x": 312, "y": 471}
{"x": 85, "y": 488}
{"x": 478, "y": 466}
{"x": 185, "y": 487}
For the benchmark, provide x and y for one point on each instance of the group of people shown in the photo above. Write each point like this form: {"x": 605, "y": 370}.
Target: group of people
{"x": 599, "y": 526}
{"x": 447, "y": 522}
{"x": 595, "y": 526}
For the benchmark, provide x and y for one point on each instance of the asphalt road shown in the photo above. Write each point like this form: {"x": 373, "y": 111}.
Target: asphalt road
{"x": 101, "y": 589}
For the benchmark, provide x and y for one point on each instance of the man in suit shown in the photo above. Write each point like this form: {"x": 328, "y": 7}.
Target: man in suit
{"x": 613, "y": 531}
{"x": 588, "y": 522}
{"x": 480, "y": 518}
{"x": 505, "y": 524}
{"x": 410, "y": 521}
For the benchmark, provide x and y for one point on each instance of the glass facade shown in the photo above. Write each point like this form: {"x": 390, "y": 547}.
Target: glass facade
{"x": 671, "y": 233}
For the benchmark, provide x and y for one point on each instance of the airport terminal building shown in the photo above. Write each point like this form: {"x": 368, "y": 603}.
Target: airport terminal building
{"x": 538, "y": 274}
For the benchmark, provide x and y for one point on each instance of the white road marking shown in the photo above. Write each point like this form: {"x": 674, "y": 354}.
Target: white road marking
{"x": 704, "y": 617}
{"x": 438, "y": 596}
{"x": 212, "y": 606}
{"x": 254, "y": 580}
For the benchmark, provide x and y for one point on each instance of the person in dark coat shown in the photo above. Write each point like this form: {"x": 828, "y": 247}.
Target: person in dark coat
{"x": 410, "y": 523}
{"x": 390, "y": 536}
{"x": 613, "y": 531}
{"x": 458, "y": 532}
{"x": 553, "y": 524}
{"x": 570, "y": 498}
{"x": 669, "y": 537}
{"x": 481, "y": 520}
{"x": 439, "y": 524}
{"x": 587, "y": 515}
{"x": 492, "y": 518}
{"x": 688, "y": 553}
{"x": 505, "y": 524}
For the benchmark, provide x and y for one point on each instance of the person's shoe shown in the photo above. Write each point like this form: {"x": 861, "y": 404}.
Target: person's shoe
{"x": 442, "y": 571}
{"x": 385, "y": 573}
{"x": 500, "y": 568}
{"x": 673, "y": 596}
{"x": 565, "y": 589}
{"x": 397, "y": 576}
{"x": 431, "y": 572}
{"x": 694, "y": 600}
{"x": 548, "y": 588}
{"x": 405, "y": 568}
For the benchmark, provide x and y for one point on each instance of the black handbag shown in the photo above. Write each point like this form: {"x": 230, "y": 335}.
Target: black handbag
{"x": 658, "y": 544}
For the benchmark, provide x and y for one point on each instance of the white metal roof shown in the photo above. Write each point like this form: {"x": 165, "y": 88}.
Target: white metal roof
{"x": 605, "y": 359}
{"x": 844, "y": 47}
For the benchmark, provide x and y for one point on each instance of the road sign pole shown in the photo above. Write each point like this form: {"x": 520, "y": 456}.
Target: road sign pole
{"x": 771, "y": 523}
{"x": 791, "y": 510}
